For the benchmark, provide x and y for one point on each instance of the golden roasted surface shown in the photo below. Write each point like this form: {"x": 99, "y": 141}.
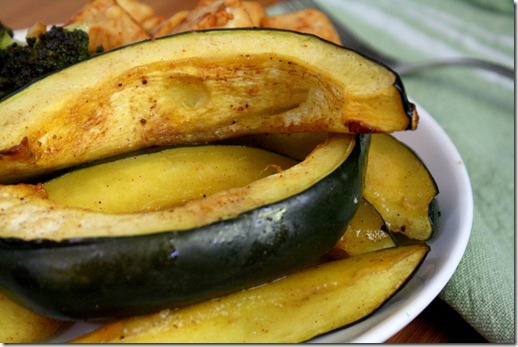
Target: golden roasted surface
{"x": 43, "y": 138}
{"x": 27, "y": 213}
{"x": 114, "y": 23}
{"x": 109, "y": 25}
{"x": 295, "y": 308}
{"x": 192, "y": 88}
{"x": 214, "y": 14}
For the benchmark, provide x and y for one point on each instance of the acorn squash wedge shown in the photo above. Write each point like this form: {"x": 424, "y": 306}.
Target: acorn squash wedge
{"x": 296, "y": 308}
{"x": 196, "y": 87}
{"x": 73, "y": 263}
{"x": 400, "y": 187}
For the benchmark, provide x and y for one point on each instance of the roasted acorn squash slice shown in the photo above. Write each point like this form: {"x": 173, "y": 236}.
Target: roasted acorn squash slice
{"x": 293, "y": 309}
{"x": 400, "y": 187}
{"x": 72, "y": 263}
{"x": 196, "y": 87}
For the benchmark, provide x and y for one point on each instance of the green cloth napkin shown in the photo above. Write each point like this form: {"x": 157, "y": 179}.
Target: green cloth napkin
{"x": 476, "y": 109}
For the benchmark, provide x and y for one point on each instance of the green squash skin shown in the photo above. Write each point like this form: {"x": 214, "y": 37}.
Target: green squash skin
{"x": 103, "y": 277}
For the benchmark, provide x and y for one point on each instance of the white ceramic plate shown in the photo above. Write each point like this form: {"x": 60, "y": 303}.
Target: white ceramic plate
{"x": 455, "y": 201}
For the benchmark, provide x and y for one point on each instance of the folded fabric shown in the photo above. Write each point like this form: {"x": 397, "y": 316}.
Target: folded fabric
{"x": 476, "y": 109}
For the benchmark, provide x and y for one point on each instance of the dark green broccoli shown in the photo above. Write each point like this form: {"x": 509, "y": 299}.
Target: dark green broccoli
{"x": 22, "y": 63}
{"x": 6, "y": 36}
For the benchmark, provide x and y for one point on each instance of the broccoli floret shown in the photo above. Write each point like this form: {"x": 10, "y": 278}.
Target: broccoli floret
{"x": 6, "y": 36}
{"x": 55, "y": 49}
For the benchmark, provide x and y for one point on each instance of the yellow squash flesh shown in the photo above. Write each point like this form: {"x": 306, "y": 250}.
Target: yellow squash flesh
{"x": 169, "y": 178}
{"x": 191, "y": 88}
{"x": 363, "y": 234}
{"x": 295, "y": 308}
{"x": 27, "y": 212}
{"x": 19, "y": 325}
{"x": 400, "y": 187}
